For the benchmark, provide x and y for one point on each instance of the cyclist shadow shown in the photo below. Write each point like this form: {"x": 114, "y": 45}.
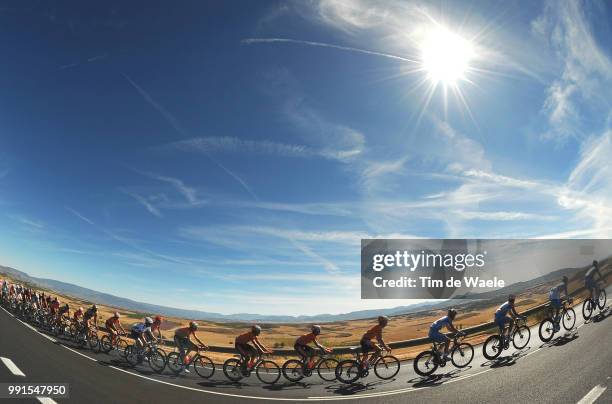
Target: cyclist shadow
{"x": 506, "y": 360}
{"x": 288, "y": 386}
{"x": 602, "y": 315}
{"x": 562, "y": 339}
{"x": 437, "y": 379}
{"x": 220, "y": 384}
{"x": 359, "y": 387}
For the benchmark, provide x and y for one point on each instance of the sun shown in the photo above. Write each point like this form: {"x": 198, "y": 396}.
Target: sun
{"x": 445, "y": 56}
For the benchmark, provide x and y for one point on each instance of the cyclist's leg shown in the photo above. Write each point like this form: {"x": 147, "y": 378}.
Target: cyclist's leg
{"x": 299, "y": 349}
{"x": 244, "y": 354}
{"x": 366, "y": 347}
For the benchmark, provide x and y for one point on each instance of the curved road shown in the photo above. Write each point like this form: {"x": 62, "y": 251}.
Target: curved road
{"x": 574, "y": 366}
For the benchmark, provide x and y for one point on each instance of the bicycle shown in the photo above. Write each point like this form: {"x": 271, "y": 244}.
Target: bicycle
{"x": 350, "y": 370}
{"x": 549, "y": 326}
{"x": 155, "y": 357}
{"x": 495, "y": 344}
{"x": 89, "y": 337}
{"x": 203, "y": 365}
{"x": 119, "y": 344}
{"x": 589, "y": 306}
{"x": 461, "y": 355}
{"x": 267, "y": 371}
{"x": 295, "y": 370}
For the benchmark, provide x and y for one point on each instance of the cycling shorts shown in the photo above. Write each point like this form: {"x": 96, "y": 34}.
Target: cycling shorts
{"x": 368, "y": 345}
{"x": 135, "y": 334}
{"x": 437, "y": 336}
{"x": 246, "y": 349}
{"x": 556, "y": 303}
{"x": 590, "y": 284}
{"x": 304, "y": 350}
{"x": 501, "y": 321}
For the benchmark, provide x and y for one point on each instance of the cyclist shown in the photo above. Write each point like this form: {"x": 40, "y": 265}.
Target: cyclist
{"x": 367, "y": 343}
{"x": 91, "y": 313}
{"x": 76, "y": 317}
{"x": 248, "y": 351}
{"x": 157, "y": 326}
{"x": 305, "y": 351}
{"x": 182, "y": 339}
{"x": 501, "y": 318}
{"x": 436, "y": 326}
{"x": 63, "y": 312}
{"x": 114, "y": 327}
{"x": 5, "y": 290}
{"x": 141, "y": 332}
{"x": 555, "y": 299}
{"x": 55, "y": 305}
{"x": 590, "y": 283}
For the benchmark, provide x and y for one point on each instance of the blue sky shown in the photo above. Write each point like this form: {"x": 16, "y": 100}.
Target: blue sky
{"x": 230, "y": 158}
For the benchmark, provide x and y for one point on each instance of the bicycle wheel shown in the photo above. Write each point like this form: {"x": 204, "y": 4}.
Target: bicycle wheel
{"x": 231, "y": 369}
{"x": 93, "y": 341}
{"x": 347, "y": 371}
{"x": 204, "y": 367}
{"x": 492, "y": 347}
{"x": 131, "y": 355}
{"x": 268, "y": 372}
{"x": 174, "y": 362}
{"x": 157, "y": 360}
{"x": 462, "y": 354}
{"x": 292, "y": 370}
{"x": 121, "y": 345}
{"x": 521, "y": 337}
{"x": 105, "y": 344}
{"x": 587, "y": 309}
{"x": 386, "y": 367}
{"x": 569, "y": 319}
{"x": 601, "y": 301}
{"x": 425, "y": 364}
{"x": 327, "y": 369}
{"x": 547, "y": 329}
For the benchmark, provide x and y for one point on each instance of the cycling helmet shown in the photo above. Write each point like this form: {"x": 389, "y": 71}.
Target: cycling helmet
{"x": 316, "y": 329}
{"x": 193, "y": 325}
{"x": 148, "y": 321}
{"x": 256, "y": 330}
{"x": 452, "y": 313}
{"x": 511, "y": 298}
{"x": 80, "y": 310}
{"x": 383, "y": 320}
{"x": 158, "y": 319}
{"x": 565, "y": 279}
{"x": 117, "y": 315}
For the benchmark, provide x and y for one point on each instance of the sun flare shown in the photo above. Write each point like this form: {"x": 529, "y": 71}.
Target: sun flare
{"x": 446, "y": 56}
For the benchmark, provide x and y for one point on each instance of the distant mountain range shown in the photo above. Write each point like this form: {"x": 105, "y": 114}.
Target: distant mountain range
{"x": 123, "y": 303}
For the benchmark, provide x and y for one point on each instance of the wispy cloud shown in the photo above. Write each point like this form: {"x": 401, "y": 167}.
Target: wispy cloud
{"x": 144, "y": 202}
{"x": 189, "y": 193}
{"x": 250, "y": 41}
{"x": 80, "y": 216}
{"x": 88, "y": 60}
{"x": 29, "y": 223}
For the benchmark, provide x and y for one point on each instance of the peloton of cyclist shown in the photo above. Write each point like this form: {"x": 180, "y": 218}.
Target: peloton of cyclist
{"x": 436, "y": 326}
{"x": 502, "y": 318}
{"x": 367, "y": 343}
{"x": 590, "y": 283}
{"x": 114, "y": 327}
{"x": 248, "y": 351}
{"x": 182, "y": 339}
{"x": 141, "y": 332}
{"x": 555, "y": 299}
{"x": 305, "y": 351}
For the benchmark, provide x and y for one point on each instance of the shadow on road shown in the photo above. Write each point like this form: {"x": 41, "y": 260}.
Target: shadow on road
{"x": 602, "y": 315}
{"x": 346, "y": 390}
{"x": 436, "y": 380}
{"x": 288, "y": 386}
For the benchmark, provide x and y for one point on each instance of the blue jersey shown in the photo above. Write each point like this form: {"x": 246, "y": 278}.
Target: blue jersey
{"x": 140, "y": 328}
{"x": 503, "y": 309}
{"x": 555, "y": 292}
{"x": 442, "y": 322}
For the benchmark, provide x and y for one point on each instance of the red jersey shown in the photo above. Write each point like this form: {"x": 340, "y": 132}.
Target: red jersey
{"x": 246, "y": 338}
{"x": 306, "y": 339}
{"x": 374, "y": 332}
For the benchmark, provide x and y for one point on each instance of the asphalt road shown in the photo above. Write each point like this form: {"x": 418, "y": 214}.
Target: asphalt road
{"x": 574, "y": 365}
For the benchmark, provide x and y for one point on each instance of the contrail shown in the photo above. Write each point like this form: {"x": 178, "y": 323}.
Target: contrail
{"x": 249, "y": 41}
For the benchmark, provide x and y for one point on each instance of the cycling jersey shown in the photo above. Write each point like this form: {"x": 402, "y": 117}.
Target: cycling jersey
{"x": 89, "y": 314}
{"x": 437, "y": 325}
{"x": 64, "y": 310}
{"x": 503, "y": 309}
{"x": 54, "y": 306}
{"x": 111, "y": 322}
{"x": 245, "y": 338}
{"x": 555, "y": 291}
{"x": 591, "y": 272}
{"x": 306, "y": 339}
{"x": 374, "y": 332}
{"x": 184, "y": 332}
{"x": 140, "y": 328}
{"x": 76, "y": 315}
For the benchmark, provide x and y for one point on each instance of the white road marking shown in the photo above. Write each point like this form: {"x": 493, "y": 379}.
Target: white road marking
{"x": 593, "y": 395}
{"x": 12, "y": 367}
{"x": 47, "y": 337}
{"x": 78, "y": 353}
{"x": 46, "y": 400}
